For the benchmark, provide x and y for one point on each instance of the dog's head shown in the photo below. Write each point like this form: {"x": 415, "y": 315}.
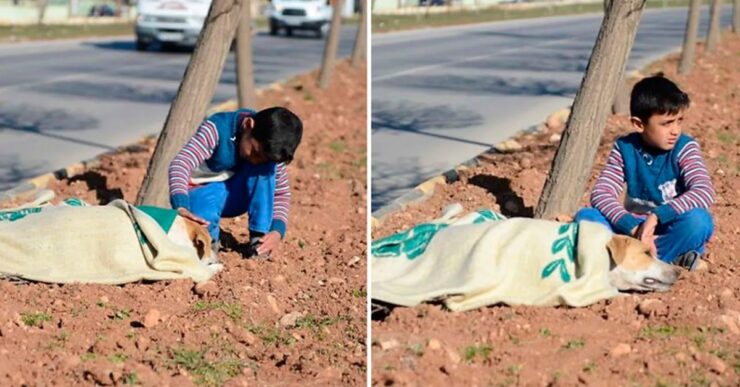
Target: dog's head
{"x": 633, "y": 268}
{"x": 186, "y": 232}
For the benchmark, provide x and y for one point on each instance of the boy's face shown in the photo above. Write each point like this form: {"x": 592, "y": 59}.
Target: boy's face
{"x": 249, "y": 148}
{"x": 661, "y": 131}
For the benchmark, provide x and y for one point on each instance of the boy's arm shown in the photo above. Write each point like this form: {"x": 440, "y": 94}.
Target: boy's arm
{"x": 606, "y": 191}
{"x": 699, "y": 190}
{"x": 199, "y": 148}
{"x": 281, "y": 204}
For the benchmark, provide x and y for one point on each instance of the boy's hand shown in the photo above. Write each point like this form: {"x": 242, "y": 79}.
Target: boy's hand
{"x": 182, "y": 211}
{"x": 268, "y": 242}
{"x": 646, "y": 233}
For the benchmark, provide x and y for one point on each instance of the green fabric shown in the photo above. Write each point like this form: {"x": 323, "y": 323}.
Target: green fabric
{"x": 163, "y": 216}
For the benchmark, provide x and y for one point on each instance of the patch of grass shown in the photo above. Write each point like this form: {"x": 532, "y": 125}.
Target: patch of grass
{"x": 232, "y": 310}
{"x": 301, "y": 244}
{"x": 544, "y": 332}
{"x": 359, "y": 293}
{"x": 34, "y": 319}
{"x": 699, "y": 379}
{"x": 87, "y": 356}
{"x": 118, "y": 357}
{"x": 131, "y": 378}
{"x": 659, "y": 331}
{"x": 337, "y": 146}
{"x": 307, "y": 96}
{"x": 589, "y": 367}
{"x": 472, "y": 352}
{"x": 422, "y": 19}
{"x": 416, "y": 349}
{"x": 573, "y": 344}
{"x": 58, "y": 341}
{"x": 514, "y": 369}
{"x": 120, "y": 314}
{"x": 727, "y": 138}
{"x": 209, "y": 373}
{"x": 269, "y": 335}
{"x": 63, "y": 31}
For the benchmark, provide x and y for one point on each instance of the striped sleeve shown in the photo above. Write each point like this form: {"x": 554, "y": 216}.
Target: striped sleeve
{"x": 606, "y": 191}
{"x": 282, "y": 200}
{"x": 199, "y": 148}
{"x": 699, "y": 190}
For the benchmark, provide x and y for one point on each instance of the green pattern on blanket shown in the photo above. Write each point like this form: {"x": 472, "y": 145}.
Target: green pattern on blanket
{"x": 569, "y": 233}
{"x": 12, "y": 216}
{"x": 414, "y": 242}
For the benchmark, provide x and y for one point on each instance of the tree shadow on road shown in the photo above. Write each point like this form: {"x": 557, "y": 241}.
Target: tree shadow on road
{"x": 13, "y": 171}
{"x": 477, "y": 84}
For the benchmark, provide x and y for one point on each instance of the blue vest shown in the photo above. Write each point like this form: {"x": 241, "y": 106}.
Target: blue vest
{"x": 653, "y": 176}
{"x": 226, "y": 154}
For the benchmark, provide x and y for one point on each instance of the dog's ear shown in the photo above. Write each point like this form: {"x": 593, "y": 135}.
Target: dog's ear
{"x": 200, "y": 238}
{"x": 617, "y": 247}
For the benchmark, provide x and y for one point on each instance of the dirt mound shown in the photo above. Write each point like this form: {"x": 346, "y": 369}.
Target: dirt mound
{"x": 688, "y": 336}
{"x": 297, "y": 318}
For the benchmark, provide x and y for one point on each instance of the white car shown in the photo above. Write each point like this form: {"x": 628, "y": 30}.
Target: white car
{"x": 170, "y": 22}
{"x": 291, "y": 15}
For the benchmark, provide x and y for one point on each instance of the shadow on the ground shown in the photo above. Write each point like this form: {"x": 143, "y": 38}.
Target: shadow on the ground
{"x": 511, "y": 204}
{"x": 99, "y": 183}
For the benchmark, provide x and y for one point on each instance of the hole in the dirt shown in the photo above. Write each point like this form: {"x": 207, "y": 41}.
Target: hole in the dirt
{"x": 137, "y": 324}
{"x": 511, "y": 204}
{"x": 99, "y": 183}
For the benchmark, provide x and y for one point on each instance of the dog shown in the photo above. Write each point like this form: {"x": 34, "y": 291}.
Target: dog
{"x": 187, "y": 233}
{"x": 634, "y": 268}
{"x": 482, "y": 259}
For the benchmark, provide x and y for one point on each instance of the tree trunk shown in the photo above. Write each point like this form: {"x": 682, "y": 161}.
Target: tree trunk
{"x": 621, "y": 103}
{"x": 713, "y": 36}
{"x": 330, "y": 49}
{"x": 195, "y": 93}
{"x": 358, "y": 53}
{"x": 42, "y": 4}
{"x": 244, "y": 67}
{"x": 689, "y": 39}
{"x": 119, "y": 7}
{"x": 736, "y": 16}
{"x": 574, "y": 158}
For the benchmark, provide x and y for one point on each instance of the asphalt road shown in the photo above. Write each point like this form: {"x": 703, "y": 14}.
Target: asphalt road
{"x": 67, "y": 101}
{"x": 442, "y": 96}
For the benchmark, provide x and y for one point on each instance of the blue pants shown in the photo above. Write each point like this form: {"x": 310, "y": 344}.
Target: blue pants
{"x": 689, "y": 231}
{"x": 251, "y": 190}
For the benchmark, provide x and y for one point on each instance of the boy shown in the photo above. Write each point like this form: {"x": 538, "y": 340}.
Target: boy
{"x": 668, "y": 187}
{"x": 241, "y": 158}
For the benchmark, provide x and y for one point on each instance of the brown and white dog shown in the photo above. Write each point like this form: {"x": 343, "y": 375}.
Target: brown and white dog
{"x": 185, "y": 232}
{"x": 634, "y": 268}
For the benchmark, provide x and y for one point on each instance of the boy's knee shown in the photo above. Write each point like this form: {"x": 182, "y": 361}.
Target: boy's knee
{"x": 590, "y": 214}
{"x": 699, "y": 220}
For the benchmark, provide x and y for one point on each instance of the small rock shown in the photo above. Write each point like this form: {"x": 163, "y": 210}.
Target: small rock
{"x": 682, "y": 357}
{"x": 454, "y": 356}
{"x": 99, "y": 372}
{"x": 712, "y": 362}
{"x": 651, "y": 307}
{"x": 273, "y": 304}
{"x": 508, "y": 146}
{"x": 434, "y": 344}
{"x": 278, "y": 279}
{"x": 151, "y": 318}
{"x": 335, "y": 280}
{"x": 526, "y": 163}
{"x": 244, "y": 336}
{"x": 726, "y": 293}
{"x": 206, "y": 288}
{"x": 555, "y": 137}
{"x": 290, "y": 319}
{"x": 732, "y": 321}
{"x": 71, "y": 362}
{"x": 620, "y": 350}
{"x": 355, "y": 260}
{"x": 103, "y": 300}
{"x": 389, "y": 344}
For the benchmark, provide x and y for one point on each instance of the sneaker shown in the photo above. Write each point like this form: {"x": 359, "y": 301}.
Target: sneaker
{"x": 689, "y": 260}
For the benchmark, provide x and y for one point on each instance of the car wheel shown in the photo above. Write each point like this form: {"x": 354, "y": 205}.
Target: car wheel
{"x": 289, "y": 31}
{"x": 323, "y": 30}
{"x": 141, "y": 45}
{"x": 273, "y": 28}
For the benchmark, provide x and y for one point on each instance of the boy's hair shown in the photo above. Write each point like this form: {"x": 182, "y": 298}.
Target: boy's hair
{"x": 657, "y": 95}
{"x": 279, "y": 131}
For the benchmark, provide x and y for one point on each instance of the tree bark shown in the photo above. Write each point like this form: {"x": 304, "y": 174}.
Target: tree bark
{"x": 358, "y": 53}
{"x": 689, "y": 39}
{"x": 195, "y": 93}
{"x": 244, "y": 66}
{"x": 330, "y": 49}
{"x": 42, "y": 4}
{"x": 574, "y": 158}
{"x": 713, "y": 36}
{"x": 736, "y": 16}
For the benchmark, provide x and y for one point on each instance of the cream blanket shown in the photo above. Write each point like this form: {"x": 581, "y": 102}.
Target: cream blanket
{"x": 483, "y": 259}
{"x": 111, "y": 244}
